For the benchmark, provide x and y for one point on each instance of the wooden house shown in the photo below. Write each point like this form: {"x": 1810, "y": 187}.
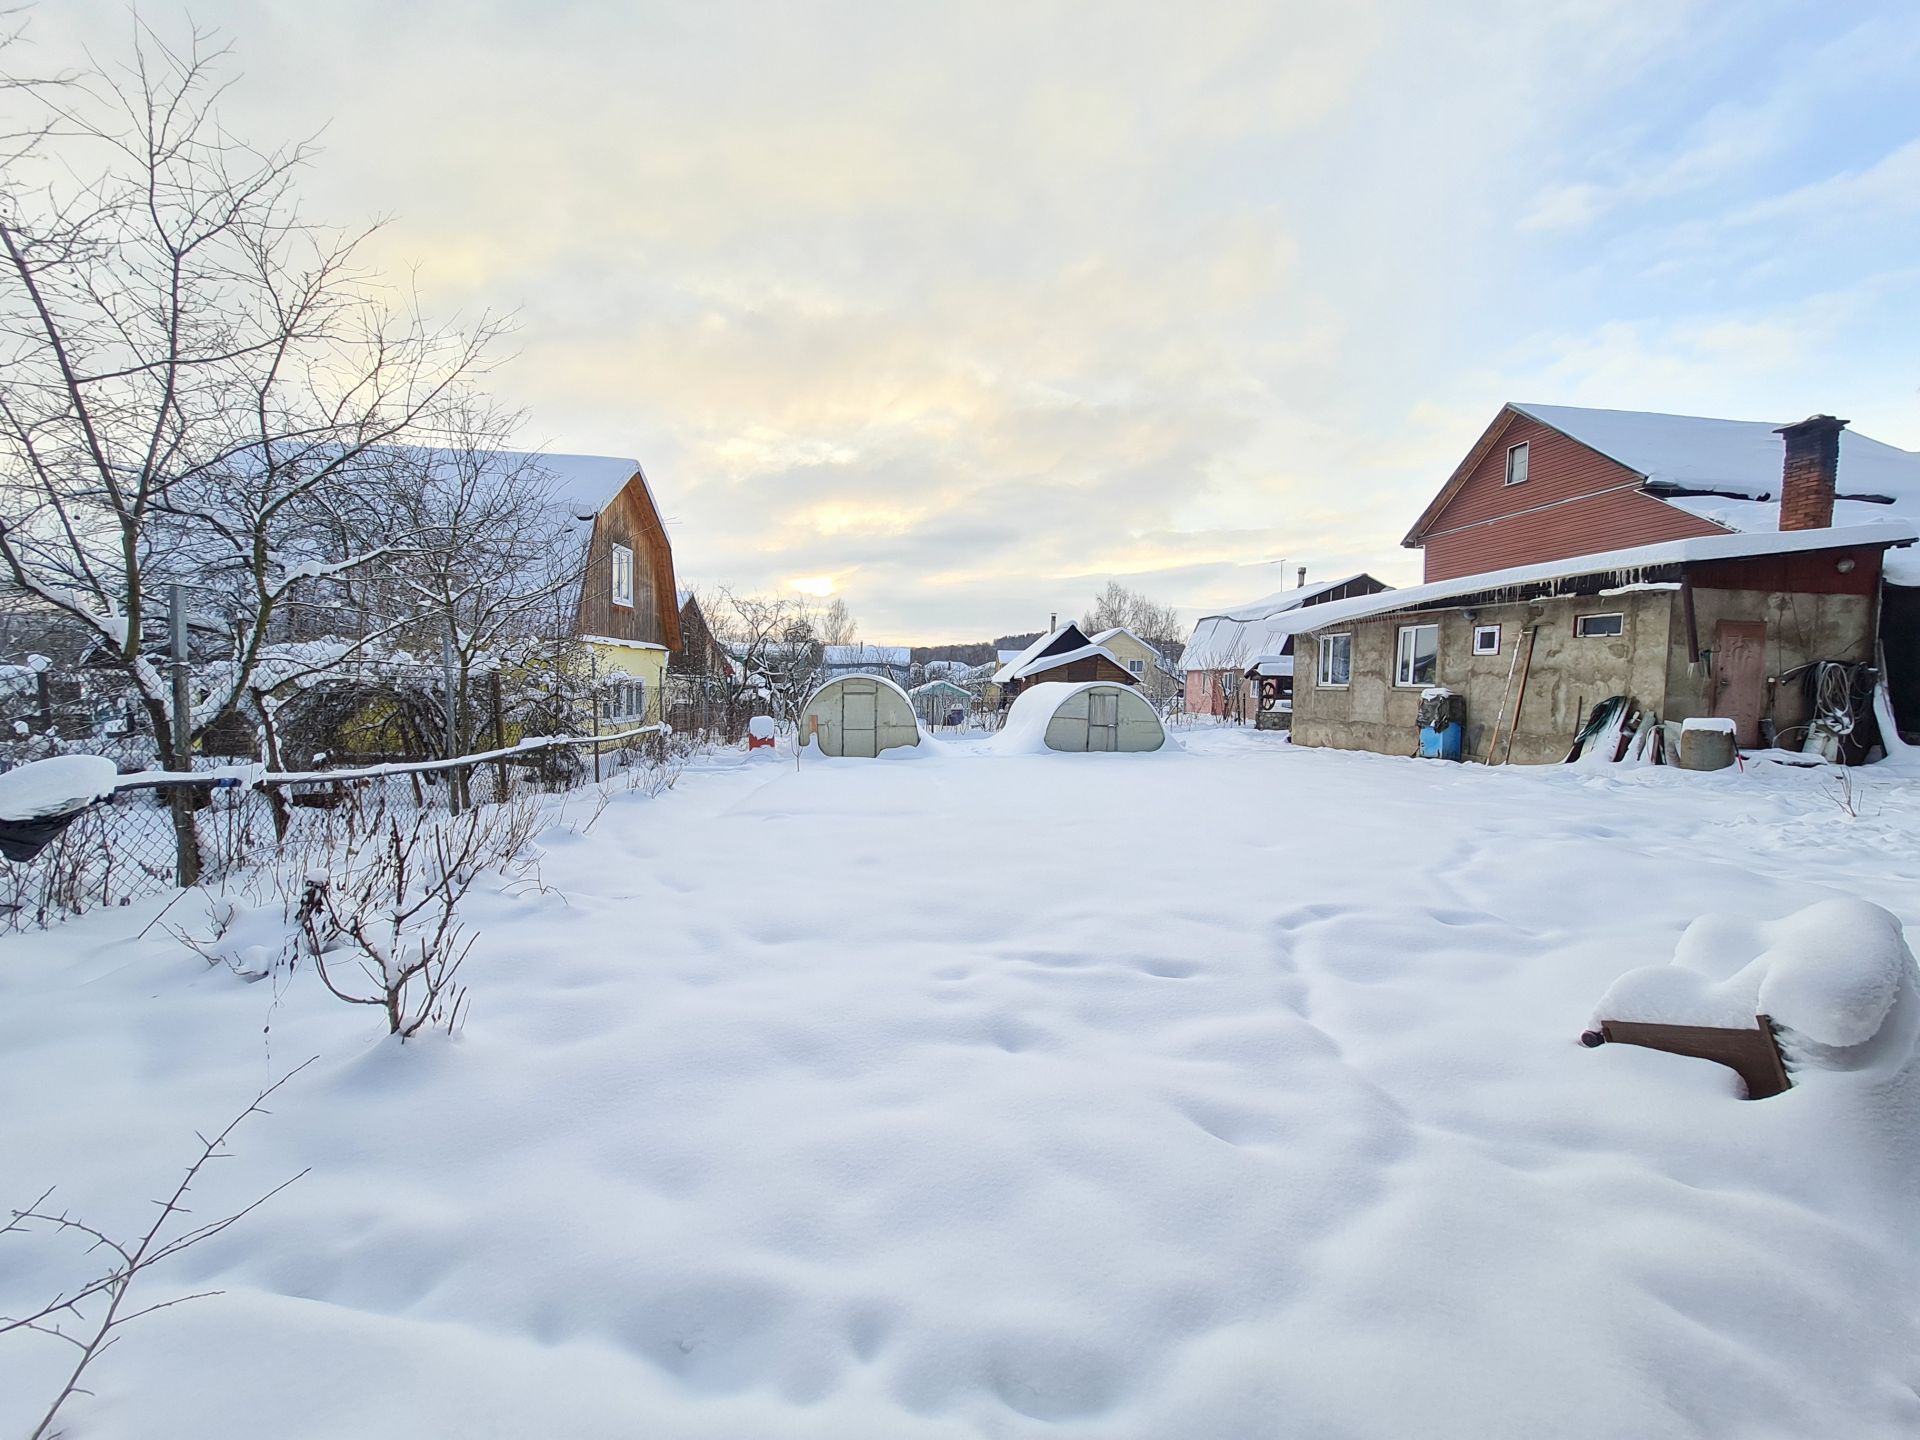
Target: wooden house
{"x": 627, "y": 610}
{"x": 1064, "y": 653}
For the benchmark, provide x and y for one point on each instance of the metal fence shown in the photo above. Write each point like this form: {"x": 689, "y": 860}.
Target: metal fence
{"x": 243, "y": 818}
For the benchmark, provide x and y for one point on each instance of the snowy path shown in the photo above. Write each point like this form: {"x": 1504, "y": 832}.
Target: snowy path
{"x": 1219, "y": 1095}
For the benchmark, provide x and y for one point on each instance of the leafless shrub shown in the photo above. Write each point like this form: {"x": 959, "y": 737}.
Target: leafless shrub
{"x": 91, "y": 1316}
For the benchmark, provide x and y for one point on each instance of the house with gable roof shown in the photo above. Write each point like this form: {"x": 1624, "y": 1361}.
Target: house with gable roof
{"x": 1063, "y": 653}
{"x": 627, "y": 608}
{"x": 1735, "y": 572}
{"x": 1220, "y": 666}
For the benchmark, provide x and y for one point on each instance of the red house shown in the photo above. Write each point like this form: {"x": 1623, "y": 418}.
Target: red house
{"x": 1700, "y": 569}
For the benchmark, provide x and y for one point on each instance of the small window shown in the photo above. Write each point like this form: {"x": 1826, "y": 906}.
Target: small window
{"x": 1486, "y": 639}
{"x": 1597, "y": 627}
{"x": 622, "y": 575}
{"x": 1517, "y": 464}
{"x": 1137, "y": 667}
{"x": 1336, "y": 661}
{"x": 1417, "y": 660}
{"x": 624, "y": 700}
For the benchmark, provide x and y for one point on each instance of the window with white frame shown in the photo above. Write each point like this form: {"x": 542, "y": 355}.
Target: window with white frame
{"x": 1417, "y": 657}
{"x": 622, "y": 575}
{"x": 1599, "y": 627}
{"x": 1336, "y": 661}
{"x": 1486, "y": 639}
{"x": 1137, "y": 667}
{"x": 622, "y": 700}
{"x": 1517, "y": 464}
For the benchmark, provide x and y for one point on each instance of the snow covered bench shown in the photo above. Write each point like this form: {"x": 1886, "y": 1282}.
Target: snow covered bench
{"x": 1753, "y": 1054}
{"x": 1831, "y": 987}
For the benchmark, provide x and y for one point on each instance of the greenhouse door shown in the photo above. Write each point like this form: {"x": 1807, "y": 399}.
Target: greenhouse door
{"x": 857, "y": 716}
{"x": 1103, "y": 720}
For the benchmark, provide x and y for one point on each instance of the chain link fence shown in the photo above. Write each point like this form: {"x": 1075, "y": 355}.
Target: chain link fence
{"x": 244, "y": 819}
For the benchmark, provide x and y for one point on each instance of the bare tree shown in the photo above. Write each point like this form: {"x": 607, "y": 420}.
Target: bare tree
{"x": 1118, "y": 606}
{"x": 775, "y": 643}
{"x": 837, "y": 625}
{"x": 92, "y": 1315}
{"x": 194, "y": 379}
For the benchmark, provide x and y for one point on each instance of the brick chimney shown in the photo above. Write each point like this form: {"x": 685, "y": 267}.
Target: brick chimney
{"x": 1812, "y": 463}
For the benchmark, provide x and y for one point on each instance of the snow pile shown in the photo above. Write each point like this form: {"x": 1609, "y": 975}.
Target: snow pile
{"x": 1713, "y": 723}
{"x": 42, "y": 789}
{"x": 1829, "y": 975}
{"x": 761, "y": 727}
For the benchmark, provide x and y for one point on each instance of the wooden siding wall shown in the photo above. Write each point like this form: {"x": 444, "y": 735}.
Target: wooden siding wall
{"x": 654, "y": 615}
{"x": 1574, "y": 501}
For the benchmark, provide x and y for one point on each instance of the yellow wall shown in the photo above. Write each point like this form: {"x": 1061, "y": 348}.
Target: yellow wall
{"x": 648, "y": 665}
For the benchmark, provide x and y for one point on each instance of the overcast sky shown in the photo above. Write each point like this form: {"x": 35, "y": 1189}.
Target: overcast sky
{"x": 960, "y": 310}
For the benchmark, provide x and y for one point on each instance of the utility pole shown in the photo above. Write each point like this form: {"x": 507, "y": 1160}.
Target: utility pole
{"x": 186, "y": 842}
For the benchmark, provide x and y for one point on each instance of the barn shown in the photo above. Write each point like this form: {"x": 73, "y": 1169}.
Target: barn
{"x": 1091, "y": 715}
{"x": 859, "y": 716}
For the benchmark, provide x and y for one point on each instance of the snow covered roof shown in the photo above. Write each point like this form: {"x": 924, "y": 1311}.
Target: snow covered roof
{"x": 840, "y": 656}
{"x": 586, "y": 484}
{"x": 1233, "y": 638}
{"x": 1050, "y": 652}
{"x": 1728, "y": 472}
{"x": 936, "y": 687}
{"x": 1637, "y": 559}
{"x": 1695, "y": 452}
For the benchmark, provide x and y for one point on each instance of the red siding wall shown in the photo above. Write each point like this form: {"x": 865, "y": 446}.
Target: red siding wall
{"x": 1574, "y": 502}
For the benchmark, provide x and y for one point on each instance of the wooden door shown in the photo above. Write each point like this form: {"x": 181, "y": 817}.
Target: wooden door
{"x": 858, "y": 713}
{"x": 1103, "y": 720}
{"x": 1740, "y": 676}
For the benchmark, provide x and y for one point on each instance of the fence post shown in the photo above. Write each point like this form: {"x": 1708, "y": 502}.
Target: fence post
{"x": 453, "y": 716}
{"x": 499, "y": 726}
{"x": 185, "y": 837}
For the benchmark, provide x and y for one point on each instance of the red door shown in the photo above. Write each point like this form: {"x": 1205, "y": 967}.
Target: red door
{"x": 1740, "y": 676}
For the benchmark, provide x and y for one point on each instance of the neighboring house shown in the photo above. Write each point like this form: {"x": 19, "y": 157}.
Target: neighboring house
{"x": 1064, "y": 653}
{"x": 701, "y": 656}
{"x": 1217, "y": 664}
{"x": 1576, "y": 555}
{"x": 895, "y": 662}
{"x": 1150, "y": 669}
{"x": 627, "y": 611}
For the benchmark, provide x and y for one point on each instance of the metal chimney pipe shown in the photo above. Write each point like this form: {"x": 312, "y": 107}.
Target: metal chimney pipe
{"x": 1303, "y": 577}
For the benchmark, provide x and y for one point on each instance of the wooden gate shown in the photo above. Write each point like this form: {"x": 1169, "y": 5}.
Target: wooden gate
{"x": 1740, "y": 676}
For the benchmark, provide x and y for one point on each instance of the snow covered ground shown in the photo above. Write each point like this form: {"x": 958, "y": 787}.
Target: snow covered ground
{"x": 1220, "y": 1093}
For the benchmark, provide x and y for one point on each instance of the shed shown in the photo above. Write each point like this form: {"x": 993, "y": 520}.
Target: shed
{"x": 936, "y": 700}
{"x": 859, "y": 715}
{"x": 1095, "y": 715}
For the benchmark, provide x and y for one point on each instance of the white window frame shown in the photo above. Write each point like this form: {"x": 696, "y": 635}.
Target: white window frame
{"x": 623, "y": 575}
{"x": 1480, "y": 632}
{"x": 1523, "y": 451}
{"x": 1405, "y": 657}
{"x": 624, "y": 699}
{"x": 1324, "y": 670}
{"x": 1581, "y": 632}
{"x": 1136, "y": 667}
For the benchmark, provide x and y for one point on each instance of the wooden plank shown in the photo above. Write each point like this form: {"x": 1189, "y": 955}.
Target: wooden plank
{"x": 1753, "y": 1055}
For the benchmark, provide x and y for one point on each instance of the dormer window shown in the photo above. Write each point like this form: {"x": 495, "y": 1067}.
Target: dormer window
{"x": 1517, "y": 464}
{"x": 622, "y": 575}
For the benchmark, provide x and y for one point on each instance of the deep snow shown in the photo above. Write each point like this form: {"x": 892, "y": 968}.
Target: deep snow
{"x": 1225, "y": 1092}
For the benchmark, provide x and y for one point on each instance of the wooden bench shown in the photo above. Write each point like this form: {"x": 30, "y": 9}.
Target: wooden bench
{"x": 1753, "y": 1055}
